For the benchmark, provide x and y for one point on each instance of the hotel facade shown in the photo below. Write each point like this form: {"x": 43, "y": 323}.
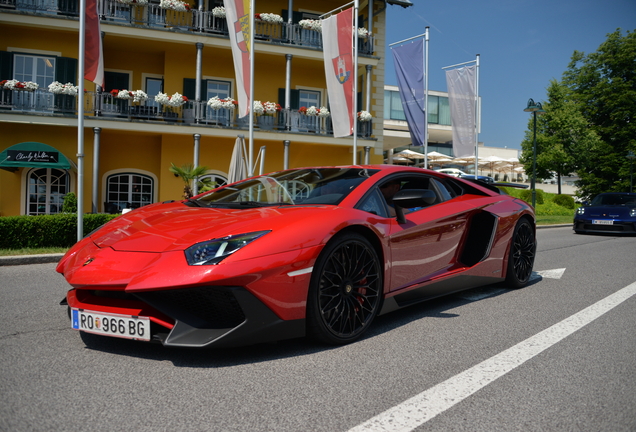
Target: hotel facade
{"x": 168, "y": 47}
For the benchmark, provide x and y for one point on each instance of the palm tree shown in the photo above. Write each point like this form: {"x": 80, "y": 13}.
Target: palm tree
{"x": 189, "y": 173}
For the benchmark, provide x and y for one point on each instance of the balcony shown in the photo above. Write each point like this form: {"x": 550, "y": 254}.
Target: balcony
{"x": 108, "y": 107}
{"x": 152, "y": 16}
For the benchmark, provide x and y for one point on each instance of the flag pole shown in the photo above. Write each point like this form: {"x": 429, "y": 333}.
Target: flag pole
{"x": 355, "y": 82}
{"x": 80, "y": 122}
{"x": 426, "y": 98}
{"x": 477, "y": 114}
{"x": 251, "y": 108}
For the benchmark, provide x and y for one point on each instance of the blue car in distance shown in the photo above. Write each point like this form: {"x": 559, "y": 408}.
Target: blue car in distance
{"x": 611, "y": 213}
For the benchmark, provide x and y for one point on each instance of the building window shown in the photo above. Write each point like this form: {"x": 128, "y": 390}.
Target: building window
{"x": 128, "y": 190}
{"x": 438, "y": 109}
{"x": 216, "y": 179}
{"x": 309, "y": 98}
{"x": 46, "y": 190}
{"x": 40, "y": 70}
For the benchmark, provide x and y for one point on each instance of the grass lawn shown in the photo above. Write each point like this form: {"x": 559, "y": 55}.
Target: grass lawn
{"x": 554, "y": 220}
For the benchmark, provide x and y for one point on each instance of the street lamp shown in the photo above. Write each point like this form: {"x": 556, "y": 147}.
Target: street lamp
{"x": 631, "y": 156}
{"x": 534, "y": 108}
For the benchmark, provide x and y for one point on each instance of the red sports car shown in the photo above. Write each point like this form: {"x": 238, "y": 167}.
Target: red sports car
{"x": 309, "y": 251}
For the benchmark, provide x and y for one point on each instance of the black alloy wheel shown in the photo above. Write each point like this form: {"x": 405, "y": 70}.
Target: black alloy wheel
{"x": 522, "y": 252}
{"x": 346, "y": 290}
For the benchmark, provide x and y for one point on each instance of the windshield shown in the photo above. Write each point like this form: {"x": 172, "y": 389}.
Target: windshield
{"x": 299, "y": 186}
{"x": 614, "y": 200}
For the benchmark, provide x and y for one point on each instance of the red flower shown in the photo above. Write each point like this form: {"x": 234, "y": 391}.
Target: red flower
{"x": 114, "y": 92}
{"x": 257, "y": 17}
{"x": 303, "y": 110}
{"x": 185, "y": 99}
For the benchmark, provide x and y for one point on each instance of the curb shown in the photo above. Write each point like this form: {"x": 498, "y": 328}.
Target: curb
{"x": 30, "y": 259}
{"x": 554, "y": 226}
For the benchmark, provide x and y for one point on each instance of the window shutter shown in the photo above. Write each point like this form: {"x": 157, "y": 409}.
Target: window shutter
{"x": 66, "y": 70}
{"x": 294, "y": 98}
{"x": 190, "y": 88}
{"x": 6, "y": 65}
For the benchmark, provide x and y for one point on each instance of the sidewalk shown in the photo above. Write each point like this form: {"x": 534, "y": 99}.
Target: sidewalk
{"x": 53, "y": 258}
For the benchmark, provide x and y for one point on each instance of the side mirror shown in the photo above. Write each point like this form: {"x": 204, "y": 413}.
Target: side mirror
{"x": 412, "y": 198}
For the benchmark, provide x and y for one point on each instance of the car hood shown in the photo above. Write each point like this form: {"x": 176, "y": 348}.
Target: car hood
{"x": 608, "y": 211}
{"x": 175, "y": 226}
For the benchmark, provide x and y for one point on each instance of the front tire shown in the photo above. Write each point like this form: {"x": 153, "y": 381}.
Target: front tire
{"x": 346, "y": 290}
{"x": 522, "y": 252}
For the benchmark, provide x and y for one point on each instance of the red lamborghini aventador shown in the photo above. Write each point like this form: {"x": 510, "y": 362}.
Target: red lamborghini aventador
{"x": 309, "y": 251}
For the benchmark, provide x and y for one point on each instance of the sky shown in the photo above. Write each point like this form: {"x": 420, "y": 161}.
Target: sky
{"x": 522, "y": 44}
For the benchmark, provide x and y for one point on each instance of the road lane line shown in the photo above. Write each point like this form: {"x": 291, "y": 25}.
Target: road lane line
{"x": 421, "y": 408}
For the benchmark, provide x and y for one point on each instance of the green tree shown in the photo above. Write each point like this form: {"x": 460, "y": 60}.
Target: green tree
{"x": 189, "y": 173}
{"x": 603, "y": 84}
{"x": 564, "y": 136}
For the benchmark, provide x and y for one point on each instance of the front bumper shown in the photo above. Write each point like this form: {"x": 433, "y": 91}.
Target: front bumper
{"x": 202, "y": 316}
{"x": 617, "y": 227}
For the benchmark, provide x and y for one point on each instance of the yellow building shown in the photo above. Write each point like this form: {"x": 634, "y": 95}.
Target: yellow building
{"x": 130, "y": 144}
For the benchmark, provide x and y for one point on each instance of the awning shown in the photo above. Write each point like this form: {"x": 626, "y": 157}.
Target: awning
{"x": 33, "y": 155}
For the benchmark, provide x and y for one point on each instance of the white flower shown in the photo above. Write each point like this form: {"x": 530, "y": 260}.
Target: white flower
{"x": 30, "y": 85}
{"x": 310, "y": 24}
{"x": 270, "y": 107}
{"x": 139, "y": 96}
{"x": 176, "y": 5}
{"x": 11, "y": 84}
{"x": 323, "y": 112}
{"x": 215, "y": 103}
{"x": 228, "y": 103}
{"x": 57, "y": 87}
{"x": 219, "y": 12}
{"x": 177, "y": 99}
{"x": 363, "y": 33}
{"x": 258, "y": 108}
{"x": 312, "y": 111}
{"x": 269, "y": 18}
{"x": 162, "y": 98}
{"x": 123, "y": 94}
{"x": 364, "y": 116}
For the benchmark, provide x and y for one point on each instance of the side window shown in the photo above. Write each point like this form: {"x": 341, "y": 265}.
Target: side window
{"x": 373, "y": 203}
{"x": 443, "y": 193}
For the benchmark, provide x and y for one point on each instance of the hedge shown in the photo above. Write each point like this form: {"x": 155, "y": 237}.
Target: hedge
{"x": 17, "y": 232}
{"x": 564, "y": 201}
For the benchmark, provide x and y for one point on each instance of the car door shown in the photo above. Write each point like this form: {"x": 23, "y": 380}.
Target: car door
{"x": 427, "y": 244}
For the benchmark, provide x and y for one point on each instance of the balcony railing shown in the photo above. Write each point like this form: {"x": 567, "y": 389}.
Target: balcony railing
{"x": 155, "y": 17}
{"x": 108, "y": 107}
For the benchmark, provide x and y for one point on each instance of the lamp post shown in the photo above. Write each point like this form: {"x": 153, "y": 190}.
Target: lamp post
{"x": 534, "y": 108}
{"x": 631, "y": 156}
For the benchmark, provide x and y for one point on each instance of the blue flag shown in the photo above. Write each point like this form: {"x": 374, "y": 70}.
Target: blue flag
{"x": 409, "y": 68}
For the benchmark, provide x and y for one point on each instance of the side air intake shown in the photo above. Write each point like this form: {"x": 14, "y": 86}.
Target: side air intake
{"x": 481, "y": 234}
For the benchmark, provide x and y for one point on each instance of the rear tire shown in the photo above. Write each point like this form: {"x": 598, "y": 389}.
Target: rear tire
{"x": 522, "y": 252}
{"x": 345, "y": 291}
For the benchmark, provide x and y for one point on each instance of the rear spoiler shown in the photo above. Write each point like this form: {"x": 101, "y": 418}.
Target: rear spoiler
{"x": 495, "y": 186}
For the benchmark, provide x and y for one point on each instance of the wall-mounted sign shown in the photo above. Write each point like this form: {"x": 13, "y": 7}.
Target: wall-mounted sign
{"x": 32, "y": 156}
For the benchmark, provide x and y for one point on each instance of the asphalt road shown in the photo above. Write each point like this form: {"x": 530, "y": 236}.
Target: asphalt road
{"x": 490, "y": 359}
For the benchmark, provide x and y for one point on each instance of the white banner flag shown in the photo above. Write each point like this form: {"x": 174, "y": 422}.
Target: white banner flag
{"x": 337, "y": 42}
{"x": 238, "y": 24}
{"x": 461, "y": 85}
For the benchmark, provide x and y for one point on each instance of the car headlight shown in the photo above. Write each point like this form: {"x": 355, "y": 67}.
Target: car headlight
{"x": 632, "y": 212}
{"x": 580, "y": 210}
{"x": 212, "y": 252}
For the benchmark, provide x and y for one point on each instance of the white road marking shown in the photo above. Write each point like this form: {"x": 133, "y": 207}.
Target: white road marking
{"x": 423, "y": 407}
{"x": 482, "y": 293}
{"x": 550, "y": 274}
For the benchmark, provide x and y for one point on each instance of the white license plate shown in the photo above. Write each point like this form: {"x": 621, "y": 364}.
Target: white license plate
{"x": 108, "y": 324}
{"x": 603, "y": 222}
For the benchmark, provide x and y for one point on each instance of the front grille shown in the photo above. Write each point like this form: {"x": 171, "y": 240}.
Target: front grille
{"x": 613, "y": 228}
{"x": 200, "y": 307}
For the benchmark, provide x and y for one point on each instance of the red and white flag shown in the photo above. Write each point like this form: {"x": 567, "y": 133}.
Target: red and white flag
{"x": 94, "y": 54}
{"x": 337, "y": 42}
{"x": 237, "y": 13}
